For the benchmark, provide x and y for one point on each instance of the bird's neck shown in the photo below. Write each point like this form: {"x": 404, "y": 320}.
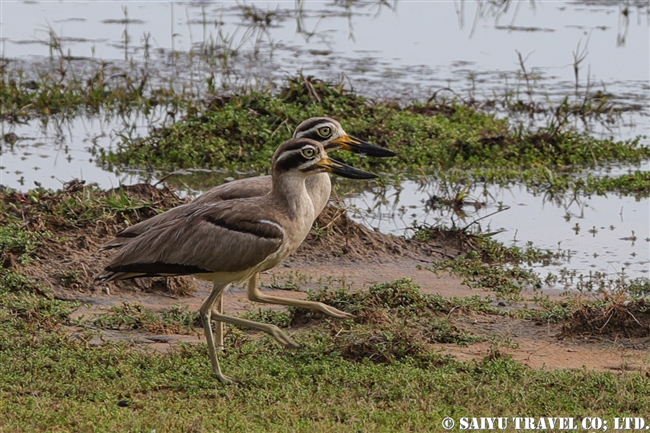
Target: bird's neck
{"x": 319, "y": 188}
{"x": 290, "y": 192}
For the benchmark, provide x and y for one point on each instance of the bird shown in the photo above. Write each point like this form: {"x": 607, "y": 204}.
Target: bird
{"x": 326, "y": 131}
{"x": 231, "y": 241}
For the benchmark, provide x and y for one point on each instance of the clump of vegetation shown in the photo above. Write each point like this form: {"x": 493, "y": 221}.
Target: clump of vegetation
{"x": 399, "y": 340}
{"x": 490, "y": 265}
{"x": 401, "y": 297}
{"x": 618, "y": 309}
{"x": 425, "y": 135}
{"x": 635, "y": 183}
{"x": 18, "y": 244}
{"x": 544, "y": 180}
{"x": 12, "y": 281}
{"x": 175, "y": 320}
{"x": 601, "y": 307}
{"x": 37, "y": 312}
{"x": 78, "y": 205}
{"x": 18, "y": 247}
{"x": 393, "y": 321}
{"x": 61, "y": 90}
{"x": 554, "y": 181}
{"x": 22, "y": 298}
{"x": 49, "y": 239}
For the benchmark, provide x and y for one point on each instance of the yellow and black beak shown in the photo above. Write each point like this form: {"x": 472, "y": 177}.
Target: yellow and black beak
{"x": 347, "y": 142}
{"x": 337, "y": 167}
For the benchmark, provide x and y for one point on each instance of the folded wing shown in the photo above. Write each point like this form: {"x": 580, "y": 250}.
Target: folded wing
{"x": 210, "y": 239}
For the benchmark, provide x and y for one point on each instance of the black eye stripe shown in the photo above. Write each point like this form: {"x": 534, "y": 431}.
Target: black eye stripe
{"x": 290, "y": 154}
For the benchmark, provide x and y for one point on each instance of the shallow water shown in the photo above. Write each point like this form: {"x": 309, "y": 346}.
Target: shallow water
{"x": 407, "y": 52}
{"x": 54, "y": 153}
{"x": 607, "y": 234}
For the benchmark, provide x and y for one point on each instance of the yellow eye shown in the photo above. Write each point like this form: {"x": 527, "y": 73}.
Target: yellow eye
{"x": 308, "y": 152}
{"x": 324, "y": 131}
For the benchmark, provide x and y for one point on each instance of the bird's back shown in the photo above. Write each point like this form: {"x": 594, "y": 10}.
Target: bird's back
{"x": 318, "y": 187}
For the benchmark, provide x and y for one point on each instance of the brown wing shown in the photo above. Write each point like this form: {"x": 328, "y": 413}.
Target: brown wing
{"x": 242, "y": 188}
{"x": 228, "y": 236}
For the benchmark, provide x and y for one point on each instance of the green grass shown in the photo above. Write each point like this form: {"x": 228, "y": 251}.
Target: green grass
{"x": 18, "y": 242}
{"x": 490, "y": 265}
{"x": 449, "y": 139}
{"x": 434, "y": 137}
{"x": 378, "y": 372}
{"x": 401, "y": 297}
{"x": 559, "y": 180}
{"x": 55, "y": 382}
{"x": 174, "y": 320}
{"x": 18, "y": 247}
{"x": 616, "y": 308}
{"x": 278, "y": 318}
{"x": 381, "y": 371}
{"x": 77, "y": 206}
{"x": 635, "y": 183}
{"x": 64, "y": 91}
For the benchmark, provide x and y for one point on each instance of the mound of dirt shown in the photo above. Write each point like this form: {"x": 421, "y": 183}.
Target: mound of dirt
{"x": 68, "y": 258}
{"x": 617, "y": 320}
{"x": 336, "y": 235}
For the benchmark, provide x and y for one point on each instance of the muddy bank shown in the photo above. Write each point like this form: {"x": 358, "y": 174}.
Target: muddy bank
{"x": 71, "y": 225}
{"x": 76, "y": 221}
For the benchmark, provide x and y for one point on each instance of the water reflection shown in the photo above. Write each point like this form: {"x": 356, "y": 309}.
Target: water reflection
{"x": 53, "y": 150}
{"x": 608, "y": 234}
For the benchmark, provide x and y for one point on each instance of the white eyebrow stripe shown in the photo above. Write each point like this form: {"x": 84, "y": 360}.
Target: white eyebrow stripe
{"x": 286, "y": 154}
{"x": 314, "y": 128}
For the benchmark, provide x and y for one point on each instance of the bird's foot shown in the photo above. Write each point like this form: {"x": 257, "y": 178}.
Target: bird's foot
{"x": 282, "y": 338}
{"x": 333, "y": 312}
{"x": 226, "y": 380}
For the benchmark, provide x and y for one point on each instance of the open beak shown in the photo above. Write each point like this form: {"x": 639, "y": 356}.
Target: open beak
{"x": 337, "y": 167}
{"x": 355, "y": 145}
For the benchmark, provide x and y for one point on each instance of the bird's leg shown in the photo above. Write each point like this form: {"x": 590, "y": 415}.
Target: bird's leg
{"x": 218, "y": 326}
{"x": 206, "y": 317}
{"x": 272, "y": 330}
{"x": 254, "y": 294}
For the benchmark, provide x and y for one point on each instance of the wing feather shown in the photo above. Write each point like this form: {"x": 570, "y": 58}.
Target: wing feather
{"x": 223, "y": 237}
{"x": 242, "y": 188}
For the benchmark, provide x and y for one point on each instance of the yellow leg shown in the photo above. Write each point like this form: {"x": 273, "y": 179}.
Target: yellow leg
{"x": 206, "y": 318}
{"x": 218, "y": 326}
{"x": 254, "y": 294}
{"x": 211, "y": 310}
{"x": 272, "y": 330}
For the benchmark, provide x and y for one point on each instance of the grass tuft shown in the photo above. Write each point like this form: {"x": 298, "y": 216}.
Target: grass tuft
{"x": 426, "y": 136}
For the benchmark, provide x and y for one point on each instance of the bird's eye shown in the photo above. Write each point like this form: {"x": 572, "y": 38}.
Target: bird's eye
{"x": 308, "y": 152}
{"x": 324, "y": 131}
